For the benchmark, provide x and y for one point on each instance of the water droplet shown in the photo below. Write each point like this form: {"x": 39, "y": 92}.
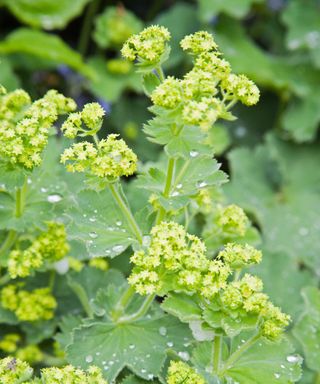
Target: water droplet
{"x": 240, "y": 131}
{"x": 146, "y": 240}
{"x": 282, "y": 366}
{"x": 179, "y": 186}
{"x": 98, "y": 353}
{"x": 111, "y": 362}
{"x": 277, "y": 375}
{"x": 118, "y": 248}
{"x": 143, "y": 370}
{"x": 170, "y": 344}
{"x": 292, "y": 359}
{"x": 132, "y": 346}
{"x": 119, "y": 223}
{"x": 184, "y": 355}
{"x": 106, "y": 368}
{"x": 150, "y": 376}
{"x": 54, "y": 198}
{"x": 201, "y": 184}
{"x": 92, "y": 219}
{"x": 89, "y": 359}
{"x": 194, "y": 153}
{"x": 175, "y": 193}
{"x": 93, "y": 235}
{"x": 43, "y": 190}
{"x": 163, "y": 331}
{"x": 303, "y": 231}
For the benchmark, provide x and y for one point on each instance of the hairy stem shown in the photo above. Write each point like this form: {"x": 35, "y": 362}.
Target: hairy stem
{"x": 216, "y": 358}
{"x": 167, "y": 188}
{"x": 82, "y": 296}
{"x": 123, "y": 302}
{"x": 86, "y": 26}
{"x": 237, "y": 354}
{"x": 126, "y": 212}
{"x": 140, "y": 312}
{"x": 160, "y": 73}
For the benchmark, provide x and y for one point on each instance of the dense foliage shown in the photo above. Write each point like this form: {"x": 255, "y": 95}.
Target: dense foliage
{"x": 126, "y": 254}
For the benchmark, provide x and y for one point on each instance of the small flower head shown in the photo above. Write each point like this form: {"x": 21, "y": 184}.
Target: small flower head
{"x": 180, "y": 372}
{"x": 49, "y": 246}
{"x": 147, "y": 46}
{"x": 232, "y": 220}
{"x": 111, "y": 158}
{"x": 14, "y": 371}
{"x": 199, "y": 42}
{"x": 239, "y": 256}
{"x": 92, "y": 115}
{"x": 72, "y": 375}
{"x": 9, "y": 342}
{"x": 168, "y": 94}
{"x": 38, "y": 304}
{"x": 241, "y": 88}
{"x": 275, "y": 322}
{"x": 203, "y": 113}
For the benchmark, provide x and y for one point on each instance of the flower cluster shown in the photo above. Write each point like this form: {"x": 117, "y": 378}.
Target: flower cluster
{"x": 180, "y": 372}
{"x": 174, "y": 252}
{"x": 240, "y": 256}
{"x": 14, "y": 371}
{"x": 91, "y": 116}
{"x": 38, "y": 304}
{"x": 245, "y": 295}
{"x": 49, "y": 246}
{"x": 24, "y": 126}
{"x": 232, "y": 220}
{"x": 110, "y": 158}
{"x": 148, "y": 46}
{"x": 9, "y": 343}
{"x": 72, "y": 375}
{"x": 209, "y": 90}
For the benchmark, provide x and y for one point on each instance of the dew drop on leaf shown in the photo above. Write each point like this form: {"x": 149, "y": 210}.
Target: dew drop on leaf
{"x": 194, "y": 153}
{"x": 163, "y": 331}
{"x": 54, "y": 198}
{"x": 292, "y": 359}
{"x": 89, "y": 359}
{"x": 201, "y": 184}
{"x": 93, "y": 235}
{"x": 118, "y": 248}
{"x": 277, "y": 375}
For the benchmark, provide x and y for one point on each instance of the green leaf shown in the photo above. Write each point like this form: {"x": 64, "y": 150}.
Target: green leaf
{"x": 150, "y": 81}
{"x": 7, "y": 317}
{"x": 183, "y": 306}
{"x": 7, "y": 77}
{"x": 97, "y": 222}
{"x": 141, "y": 346}
{"x": 306, "y": 35}
{"x": 208, "y": 9}
{"x": 46, "y": 13}
{"x": 134, "y": 380}
{"x": 307, "y": 328}
{"x": 262, "y": 363}
{"x": 279, "y": 184}
{"x": 67, "y": 325}
{"x": 109, "y": 86}
{"x": 45, "y": 46}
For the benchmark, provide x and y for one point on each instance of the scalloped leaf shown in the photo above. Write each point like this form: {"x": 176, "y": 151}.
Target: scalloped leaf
{"x": 45, "y": 46}
{"x": 96, "y": 220}
{"x": 307, "y": 328}
{"x": 183, "y": 306}
{"x": 46, "y": 13}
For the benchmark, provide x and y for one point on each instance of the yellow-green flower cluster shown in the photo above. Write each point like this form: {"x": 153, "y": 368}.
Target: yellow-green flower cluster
{"x": 201, "y": 41}
{"x": 246, "y": 295}
{"x": 168, "y": 94}
{"x": 175, "y": 252}
{"x": 232, "y": 220}
{"x": 38, "y": 304}
{"x": 49, "y": 246}
{"x": 147, "y": 46}
{"x": 119, "y": 66}
{"x": 99, "y": 263}
{"x": 240, "y": 255}
{"x": 209, "y": 90}
{"x": 14, "y": 371}
{"x": 72, "y": 375}
{"x": 24, "y": 126}
{"x": 110, "y": 158}
{"x": 91, "y": 116}
{"x": 31, "y": 353}
{"x": 9, "y": 343}
{"x": 239, "y": 87}
{"x": 180, "y": 372}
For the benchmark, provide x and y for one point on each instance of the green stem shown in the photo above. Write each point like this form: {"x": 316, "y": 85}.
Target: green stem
{"x": 86, "y": 26}
{"x": 236, "y": 355}
{"x": 52, "y": 278}
{"x": 9, "y": 241}
{"x": 167, "y": 188}
{"x": 317, "y": 378}
{"x": 216, "y": 358}
{"x": 126, "y": 212}
{"x": 123, "y": 302}
{"x": 96, "y": 139}
{"x": 160, "y": 73}
{"x": 237, "y": 274}
{"x": 21, "y": 198}
{"x": 141, "y": 311}
{"x": 82, "y": 296}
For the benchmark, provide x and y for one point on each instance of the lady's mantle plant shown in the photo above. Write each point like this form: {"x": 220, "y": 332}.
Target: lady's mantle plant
{"x": 188, "y": 312}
